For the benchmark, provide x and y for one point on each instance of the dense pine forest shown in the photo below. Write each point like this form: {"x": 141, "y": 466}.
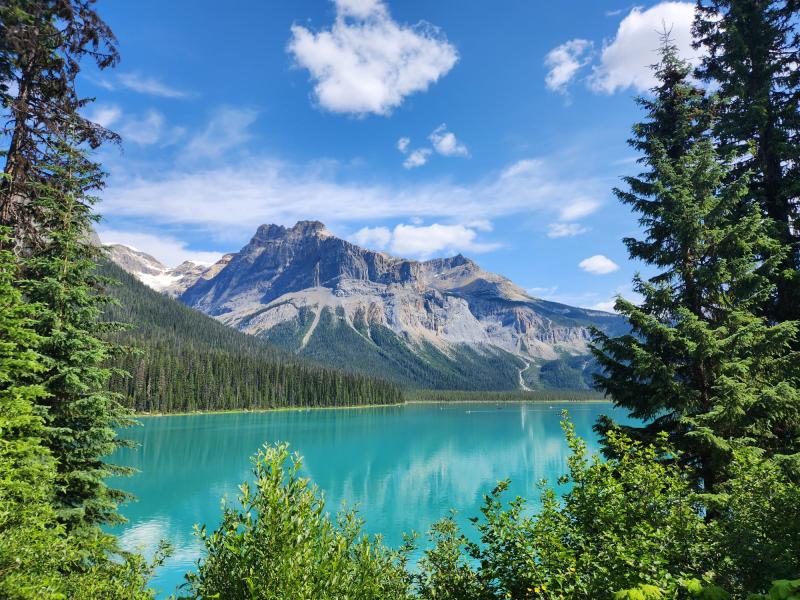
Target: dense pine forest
{"x": 176, "y": 359}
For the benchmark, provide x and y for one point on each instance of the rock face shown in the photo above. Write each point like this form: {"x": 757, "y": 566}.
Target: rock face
{"x": 154, "y": 274}
{"x": 438, "y": 323}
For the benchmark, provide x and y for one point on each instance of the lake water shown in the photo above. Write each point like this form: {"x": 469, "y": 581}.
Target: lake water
{"x": 404, "y": 466}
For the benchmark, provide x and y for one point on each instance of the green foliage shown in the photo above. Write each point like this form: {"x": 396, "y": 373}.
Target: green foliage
{"x": 750, "y": 53}
{"x": 187, "y": 361}
{"x": 39, "y": 558}
{"x": 279, "y": 543}
{"x": 701, "y": 363}
{"x": 81, "y": 415}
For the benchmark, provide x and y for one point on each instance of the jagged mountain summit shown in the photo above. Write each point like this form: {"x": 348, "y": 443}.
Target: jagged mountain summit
{"x": 443, "y": 323}
{"x": 154, "y": 274}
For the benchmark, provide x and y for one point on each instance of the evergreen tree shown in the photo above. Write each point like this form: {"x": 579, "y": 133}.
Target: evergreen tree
{"x": 41, "y": 45}
{"x": 751, "y": 53}
{"x": 81, "y": 415}
{"x": 700, "y": 363}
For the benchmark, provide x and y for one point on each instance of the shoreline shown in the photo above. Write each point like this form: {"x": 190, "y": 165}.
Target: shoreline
{"x": 144, "y": 415}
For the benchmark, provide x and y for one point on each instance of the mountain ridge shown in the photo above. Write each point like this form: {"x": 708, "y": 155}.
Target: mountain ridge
{"x": 417, "y": 322}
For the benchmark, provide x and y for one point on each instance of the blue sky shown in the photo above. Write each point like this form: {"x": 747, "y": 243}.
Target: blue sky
{"x": 495, "y": 129}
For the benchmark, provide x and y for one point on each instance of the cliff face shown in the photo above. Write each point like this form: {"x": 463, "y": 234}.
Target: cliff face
{"x": 302, "y": 286}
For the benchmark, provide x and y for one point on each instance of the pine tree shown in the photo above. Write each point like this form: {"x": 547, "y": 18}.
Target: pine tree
{"x": 81, "y": 415}
{"x": 751, "y": 54}
{"x": 700, "y": 363}
{"x": 42, "y": 43}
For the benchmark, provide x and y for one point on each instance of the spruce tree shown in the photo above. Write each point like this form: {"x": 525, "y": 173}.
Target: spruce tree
{"x": 81, "y": 414}
{"x": 751, "y": 54}
{"x": 700, "y": 363}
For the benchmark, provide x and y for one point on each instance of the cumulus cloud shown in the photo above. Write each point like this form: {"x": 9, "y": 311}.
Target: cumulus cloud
{"x": 446, "y": 143}
{"x": 376, "y": 238}
{"x": 402, "y": 144}
{"x": 148, "y": 85}
{"x": 417, "y": 158}
{"x": 168, "y": 250}
{"x": 367, "y": 62}
{"x": 564, "y": 62}
{"x": 226, "y": 130}
{"x": 426, "y": 240}
{"x": 625, "y": 60}
{"x": 559, "y": 230}
{"x": 423, "y": 241}
{"x": 598, "y": 265}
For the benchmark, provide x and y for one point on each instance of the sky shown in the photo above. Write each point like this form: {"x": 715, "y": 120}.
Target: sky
{"x": 423, "y": 129}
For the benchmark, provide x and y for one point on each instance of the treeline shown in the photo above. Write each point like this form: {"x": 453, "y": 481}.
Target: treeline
{"x": 502, "y": 396}
{"x": 176, "y": 359}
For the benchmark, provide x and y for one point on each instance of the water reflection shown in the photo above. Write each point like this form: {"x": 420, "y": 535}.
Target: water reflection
{"x": 404, "y": 467}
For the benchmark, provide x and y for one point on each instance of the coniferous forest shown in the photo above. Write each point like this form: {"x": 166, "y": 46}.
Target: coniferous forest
{"x": 178, "y": 360}
{"x": 701, "y": 499}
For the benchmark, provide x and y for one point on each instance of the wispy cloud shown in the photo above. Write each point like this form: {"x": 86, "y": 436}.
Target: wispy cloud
{"x": 227, "y": 129}
{"x": 232, "y": 197}
{"x": 152, "y": 86}
{"x": 559, "y": 230}
{"x": 367, "y": 62}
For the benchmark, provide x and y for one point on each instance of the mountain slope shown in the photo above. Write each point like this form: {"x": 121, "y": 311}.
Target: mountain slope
{"x": 188, "y": 361}
{"x": 442, "y": 323}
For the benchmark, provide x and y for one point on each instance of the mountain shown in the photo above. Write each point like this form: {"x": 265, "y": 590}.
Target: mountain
{"x": 187, "y": 361}
{"x": 154, "y": 274}
{"x": 443, "y": 323}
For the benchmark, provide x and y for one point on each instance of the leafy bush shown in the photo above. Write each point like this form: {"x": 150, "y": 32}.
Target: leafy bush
{"x": 279, "y": 543}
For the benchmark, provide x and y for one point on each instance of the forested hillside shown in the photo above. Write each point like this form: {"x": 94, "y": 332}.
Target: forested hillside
{"x": 187, "y": 361}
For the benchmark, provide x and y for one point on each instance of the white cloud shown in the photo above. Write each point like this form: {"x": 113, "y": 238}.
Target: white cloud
{"x": 227, "y": 129}
{"x": 367, "y": 62}
{"x": 564, "y": 62}
{"x": 144, "y": 130}
{"x": 625, "y": 60}
{"x": 558, "y": 230}
{"x": 228, "y": 199}
{"x": 423, "y": 241}
{"x": 578, "y": 208}
{"x": 168, "y": 250}
{"x": 149, "y": 85}
{"x": 427, "y": 240}
{"x": 598, "y": 265}
{"x": 104, "y": 115}
{"x": 607, "y": 305}
{"x": 417, "y": 158}
{"x": 446, "y": 143}
{"x": 376, "y": 238}
{"x": 402, "y": 144}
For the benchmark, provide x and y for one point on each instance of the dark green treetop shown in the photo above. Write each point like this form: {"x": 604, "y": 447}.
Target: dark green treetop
{"x": 700, "y": 363}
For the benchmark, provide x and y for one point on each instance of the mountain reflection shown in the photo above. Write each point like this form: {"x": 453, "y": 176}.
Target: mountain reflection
{"x": 403, "y": 467}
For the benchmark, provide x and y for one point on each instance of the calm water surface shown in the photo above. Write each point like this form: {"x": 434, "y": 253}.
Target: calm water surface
{"x": 405, "y": 466}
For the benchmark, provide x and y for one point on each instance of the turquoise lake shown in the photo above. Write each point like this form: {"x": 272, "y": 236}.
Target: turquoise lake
{"x": 405, "y": 467}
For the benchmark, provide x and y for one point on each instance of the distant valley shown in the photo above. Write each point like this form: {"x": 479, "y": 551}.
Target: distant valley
{"x": 443, "y": 323}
